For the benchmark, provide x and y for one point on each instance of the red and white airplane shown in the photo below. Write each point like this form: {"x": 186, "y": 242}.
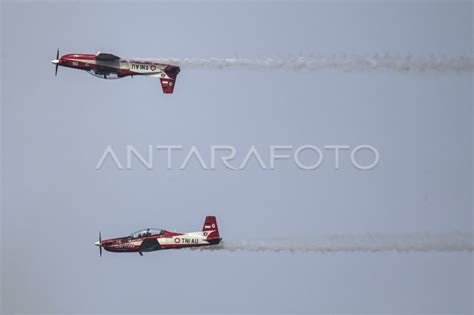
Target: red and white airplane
{"x": 108, "y": 66}
{"x": 149, "y": 240}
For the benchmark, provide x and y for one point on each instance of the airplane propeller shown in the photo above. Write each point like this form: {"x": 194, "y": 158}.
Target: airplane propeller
{"x": 56, "y": 62}
{"x": 99, "y": 243}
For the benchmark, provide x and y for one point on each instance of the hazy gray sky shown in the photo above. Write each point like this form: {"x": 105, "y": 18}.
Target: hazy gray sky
{"x": 54, "y": 130}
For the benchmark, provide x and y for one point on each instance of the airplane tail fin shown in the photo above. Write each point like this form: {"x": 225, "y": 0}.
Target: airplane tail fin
{"x": 210, "y": 226}
{"x": 168, "y": 84}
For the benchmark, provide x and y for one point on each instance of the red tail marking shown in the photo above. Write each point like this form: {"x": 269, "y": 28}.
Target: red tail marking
{"x": 167, "y": 85}
{"x": 210, "y": 224}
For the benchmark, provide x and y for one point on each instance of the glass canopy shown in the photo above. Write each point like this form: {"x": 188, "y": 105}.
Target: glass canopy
{"x": 146, "y": 233}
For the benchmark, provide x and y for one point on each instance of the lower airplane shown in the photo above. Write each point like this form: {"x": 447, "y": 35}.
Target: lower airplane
{"x": 108, "y": 66}
{"x": 149, "y": 240}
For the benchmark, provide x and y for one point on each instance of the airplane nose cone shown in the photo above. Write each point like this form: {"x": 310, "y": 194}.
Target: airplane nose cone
{"x": 97, "y": 244}
{"x": 55, "y": 61}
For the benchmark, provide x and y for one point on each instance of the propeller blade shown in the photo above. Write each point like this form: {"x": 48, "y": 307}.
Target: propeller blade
{"x": 57, "y": 62}
{"x": 100, "y": 242}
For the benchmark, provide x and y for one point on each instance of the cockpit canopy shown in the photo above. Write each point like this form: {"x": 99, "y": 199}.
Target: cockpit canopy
{"x": 146, "y": 233}
{"x": 103, "y": 74}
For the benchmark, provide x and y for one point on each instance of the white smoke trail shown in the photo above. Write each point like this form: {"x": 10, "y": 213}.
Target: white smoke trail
{"x": 452, "y": 242}
{"x": 342, "y": 62}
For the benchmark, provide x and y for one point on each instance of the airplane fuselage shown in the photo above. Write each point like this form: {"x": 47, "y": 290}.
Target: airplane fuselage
{"x": 148, "y": 240}
{"x": 169, "y": 240}
{"x": 122, "y": 67}
{"x": 108, "y": 66}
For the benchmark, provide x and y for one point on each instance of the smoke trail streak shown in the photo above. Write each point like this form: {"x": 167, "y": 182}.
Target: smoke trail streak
{"x": 453, "y": 242}
{"x": 344, "y": 62}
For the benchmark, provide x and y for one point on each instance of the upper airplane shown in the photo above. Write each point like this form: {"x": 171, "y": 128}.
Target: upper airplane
{"x": 149, "y": 240}
{"x": 108, "y": 66}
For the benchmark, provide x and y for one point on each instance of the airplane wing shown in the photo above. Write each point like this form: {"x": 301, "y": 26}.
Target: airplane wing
{"x": 106, "y": 57}
{"x": 149, "y": 245}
